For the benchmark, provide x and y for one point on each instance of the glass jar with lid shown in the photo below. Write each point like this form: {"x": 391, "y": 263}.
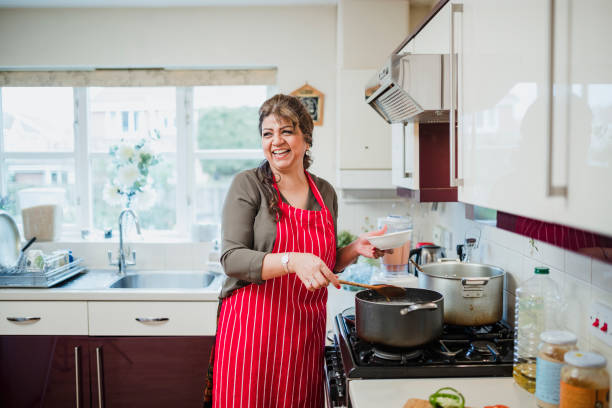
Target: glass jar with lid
{"x": 585, "y": 382}
{"x": 550, "y": 360}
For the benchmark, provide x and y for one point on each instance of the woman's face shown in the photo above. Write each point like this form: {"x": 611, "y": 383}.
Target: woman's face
{"x": 283, "y": 144}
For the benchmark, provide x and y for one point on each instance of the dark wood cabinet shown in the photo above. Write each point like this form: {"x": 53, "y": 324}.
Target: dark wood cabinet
{"x": 44, "y": 371}
{"x": 55, "y": 371}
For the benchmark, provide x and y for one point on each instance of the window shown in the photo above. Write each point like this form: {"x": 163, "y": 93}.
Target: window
{"x": 37, "y": 149}
{"x": 207, "y": 135}
{"x": 227, "y": 142}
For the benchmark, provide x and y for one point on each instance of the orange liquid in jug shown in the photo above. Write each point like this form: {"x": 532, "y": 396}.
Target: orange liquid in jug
{"x": 398, "y": 260}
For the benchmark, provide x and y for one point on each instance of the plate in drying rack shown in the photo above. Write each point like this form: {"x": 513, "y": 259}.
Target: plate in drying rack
{"x": 34, "y": 278}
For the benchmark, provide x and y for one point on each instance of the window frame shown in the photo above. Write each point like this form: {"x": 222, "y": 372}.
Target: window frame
{"x": 186, "y": 156}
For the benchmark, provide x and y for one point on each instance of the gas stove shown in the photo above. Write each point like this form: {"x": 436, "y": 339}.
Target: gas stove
{"x": 474, "y": 351}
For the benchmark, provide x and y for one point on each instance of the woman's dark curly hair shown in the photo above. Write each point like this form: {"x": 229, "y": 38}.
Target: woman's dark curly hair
{"x": 292, "y": 109}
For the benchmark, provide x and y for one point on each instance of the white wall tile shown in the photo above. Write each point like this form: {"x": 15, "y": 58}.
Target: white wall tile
{"x": 507, "y": 239}
{"x": 510, "y": 261}
{"x": 578, "y": 266}
{"x": 547, "y": 254}
{"x": 179, "y": 256}
{"x": 200, "y": 251}
{"x": 577, "y": 308}
{"x": 150, "y": 256}
{"x": 601, "y": 275}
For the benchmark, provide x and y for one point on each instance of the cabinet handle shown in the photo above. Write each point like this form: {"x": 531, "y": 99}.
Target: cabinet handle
{"x": 23, "y": 319}
{"x": 77, "y": 377}
{"x": 551, "y": 191}
{"x": 454, "y": 181}
{"x": 152, "y": 319}
{"x": 99, "y": 372}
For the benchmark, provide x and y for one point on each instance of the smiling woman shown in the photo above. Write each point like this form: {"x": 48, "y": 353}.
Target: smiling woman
{"x": 279, "y": 252}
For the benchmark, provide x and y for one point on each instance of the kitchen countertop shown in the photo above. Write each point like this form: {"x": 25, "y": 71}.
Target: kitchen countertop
{"x": 94, "y": 285}
{"x": 478, "y": 392}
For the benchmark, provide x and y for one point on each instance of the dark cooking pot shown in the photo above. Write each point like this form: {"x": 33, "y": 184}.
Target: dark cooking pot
{"x": 408, "y": 321}
{"x": 473, "y": 293}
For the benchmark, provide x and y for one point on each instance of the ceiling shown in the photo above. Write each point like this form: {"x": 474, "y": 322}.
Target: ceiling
{"x": 157, "y": 3}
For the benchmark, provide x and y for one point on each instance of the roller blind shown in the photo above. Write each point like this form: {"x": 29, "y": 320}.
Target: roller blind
{"x": 139, "y": 77}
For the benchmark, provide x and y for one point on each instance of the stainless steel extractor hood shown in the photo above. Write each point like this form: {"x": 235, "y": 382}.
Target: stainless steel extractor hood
{"x": 411, "y": 87}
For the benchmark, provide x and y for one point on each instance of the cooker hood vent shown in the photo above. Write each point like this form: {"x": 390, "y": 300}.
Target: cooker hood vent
{"x": 411, "y": 87}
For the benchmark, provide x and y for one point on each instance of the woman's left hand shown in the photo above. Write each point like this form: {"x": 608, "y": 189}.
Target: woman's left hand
{"x": 364, "y": 248}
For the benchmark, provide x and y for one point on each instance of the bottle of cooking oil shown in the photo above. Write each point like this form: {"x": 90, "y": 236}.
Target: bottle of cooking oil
{"x": 538, "y": 308}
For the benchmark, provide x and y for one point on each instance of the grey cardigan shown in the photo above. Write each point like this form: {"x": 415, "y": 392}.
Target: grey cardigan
{"x": 249, "y": 230}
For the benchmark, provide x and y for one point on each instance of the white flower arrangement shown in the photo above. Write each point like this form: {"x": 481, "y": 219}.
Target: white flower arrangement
{"x": 130, "y": 182}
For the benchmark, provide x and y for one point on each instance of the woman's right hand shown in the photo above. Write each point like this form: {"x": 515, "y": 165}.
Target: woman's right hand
{"x": 312, "y": 271}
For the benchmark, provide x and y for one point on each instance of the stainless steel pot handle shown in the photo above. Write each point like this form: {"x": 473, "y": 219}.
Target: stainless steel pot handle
{"x": 441, "y": 260}
{"x": 419, "y": 306}
{"x": 474, "y": 281}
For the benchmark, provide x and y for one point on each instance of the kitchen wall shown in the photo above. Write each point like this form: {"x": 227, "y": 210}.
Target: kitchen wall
{"x": 582, "y": 280}
{"x": 300, "y": 41}
{"x": 304, "y": 43}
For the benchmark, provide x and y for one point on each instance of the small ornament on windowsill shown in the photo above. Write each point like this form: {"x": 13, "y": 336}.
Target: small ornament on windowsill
{"x": 313, "y": 100}
{"x": 130, "y": 182}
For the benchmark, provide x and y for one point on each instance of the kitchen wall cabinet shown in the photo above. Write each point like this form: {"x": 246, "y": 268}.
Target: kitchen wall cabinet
{"x": 129, "y": 371}
{"x": 364, "y": 154}
{"x": 515, "y": 154}
{"x": 583, "y": 114}
{"x": 421, "y": 167}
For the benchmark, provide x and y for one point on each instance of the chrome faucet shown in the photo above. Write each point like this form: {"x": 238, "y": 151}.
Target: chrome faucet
{"x": 121, "y": 262}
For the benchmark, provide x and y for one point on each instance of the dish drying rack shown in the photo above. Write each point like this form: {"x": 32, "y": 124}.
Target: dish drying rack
{"x": 52, "y": 273}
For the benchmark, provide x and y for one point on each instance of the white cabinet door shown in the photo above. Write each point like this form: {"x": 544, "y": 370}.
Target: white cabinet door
{"x": 503, "y": 99}
{"x": 405, "y": 156}
{"x": 589, "y": 123}
{"x": 364, "y": 135}
{"x": 434, "y": 38}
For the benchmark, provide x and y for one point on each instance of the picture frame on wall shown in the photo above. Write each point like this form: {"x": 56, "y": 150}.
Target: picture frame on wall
{"x": 313, "y": 100}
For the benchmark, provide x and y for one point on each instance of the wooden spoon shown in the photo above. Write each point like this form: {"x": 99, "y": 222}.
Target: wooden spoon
{"x": 388, "y": 291}
{"x": 416, "y": 265}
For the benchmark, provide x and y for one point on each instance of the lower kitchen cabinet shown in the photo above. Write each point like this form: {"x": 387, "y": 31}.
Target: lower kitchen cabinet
{"x": 41, "y": 371}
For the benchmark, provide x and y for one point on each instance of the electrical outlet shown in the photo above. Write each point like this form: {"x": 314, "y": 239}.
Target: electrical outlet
{"x": 601, "y": 322}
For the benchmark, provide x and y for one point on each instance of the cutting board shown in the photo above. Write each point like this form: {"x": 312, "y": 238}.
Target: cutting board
{"x": 478, "y": 392}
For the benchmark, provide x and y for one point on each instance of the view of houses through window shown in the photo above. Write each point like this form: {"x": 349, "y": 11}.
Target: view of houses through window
{"x": 55, "y": 146}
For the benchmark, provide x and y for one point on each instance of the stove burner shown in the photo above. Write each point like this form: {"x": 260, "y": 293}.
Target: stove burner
{"x": 483, "y": 349}
{"x": 448, "y": 349}
{"x": 396, "y": 354}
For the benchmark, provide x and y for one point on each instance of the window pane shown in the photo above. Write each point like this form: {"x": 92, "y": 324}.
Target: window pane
{"x": 160, "y": 216}
{"x": 213, "y": 178}
{"x": 226, "y": 116}
{"x": 38, "y": 119}
{"x": 130, "y": 114}
{"x": 38, "y": 182}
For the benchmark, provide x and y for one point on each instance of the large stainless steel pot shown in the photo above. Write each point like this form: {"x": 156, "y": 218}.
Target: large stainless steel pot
{"x": 409, "y": 321}
{"x": 473, "y": 293}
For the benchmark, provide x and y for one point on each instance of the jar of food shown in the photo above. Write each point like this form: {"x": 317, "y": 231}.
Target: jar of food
{"x": 553, "y": 347}
{"x": 585, "y": 382}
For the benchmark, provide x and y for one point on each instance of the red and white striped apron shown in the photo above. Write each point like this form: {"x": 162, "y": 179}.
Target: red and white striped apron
{"x": 271, "y": 337}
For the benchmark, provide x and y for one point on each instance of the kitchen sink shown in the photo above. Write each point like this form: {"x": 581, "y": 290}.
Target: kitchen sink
{"x": 164, "y": 280}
